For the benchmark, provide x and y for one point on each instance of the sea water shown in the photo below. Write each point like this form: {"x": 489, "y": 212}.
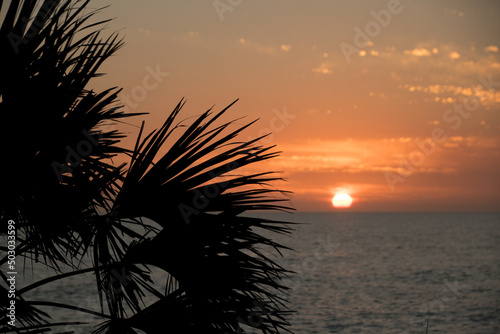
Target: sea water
{"x": 368, "y": 273}
{"x": 393, "y": 272}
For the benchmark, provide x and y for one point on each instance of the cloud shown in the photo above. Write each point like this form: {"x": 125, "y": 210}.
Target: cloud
{"x": 451, "y": 72}
{"x": 453, "y": 12}
{"x": 449, "y": 94}
{"x": 454, "y": 55}
{"x": 256, "y": 47}
{"x": 285, "y": 47}
{"x": 382, "y": 96}
{"x": 323, "y": 68}
{"x": 418, "y": 52}
{"x": 380, "y": 155}
{"x": 491, "y": 48}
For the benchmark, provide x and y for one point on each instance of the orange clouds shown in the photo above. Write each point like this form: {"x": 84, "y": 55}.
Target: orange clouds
{"x": 454, "y": 55}
{"x": 491, "y": 48}
{"x": 448, "y": 94}
{"x": 323, "y": 68}
{"x": 418, "y": 52}
{"x": 262, "y": 48}
{"x": 351, "y": 155}
{"x": 318, "y": 168}
{"x": 360, "y": 108}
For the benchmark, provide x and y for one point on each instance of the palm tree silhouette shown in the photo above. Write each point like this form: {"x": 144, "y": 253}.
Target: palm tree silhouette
{"x": 178, "y": 213}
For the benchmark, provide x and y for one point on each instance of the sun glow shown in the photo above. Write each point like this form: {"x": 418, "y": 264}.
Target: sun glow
{"x": 342, "y": 200}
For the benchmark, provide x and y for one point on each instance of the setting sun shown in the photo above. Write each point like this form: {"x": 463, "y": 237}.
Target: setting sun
{"x": 342, "y": 200}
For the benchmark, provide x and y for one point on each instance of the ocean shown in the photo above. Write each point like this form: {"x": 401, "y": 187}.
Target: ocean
{"x": 391, "y": 272}
{"x": 375, "y": 273}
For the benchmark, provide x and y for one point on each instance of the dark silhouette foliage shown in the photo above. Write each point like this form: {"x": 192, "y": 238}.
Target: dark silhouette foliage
{"x": 180, "y": 212}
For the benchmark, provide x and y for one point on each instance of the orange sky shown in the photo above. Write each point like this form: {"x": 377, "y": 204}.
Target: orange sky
{"x": 395, "y": 102}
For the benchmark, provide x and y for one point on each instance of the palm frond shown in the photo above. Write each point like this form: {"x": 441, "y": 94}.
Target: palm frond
{"x": 71, "y": 202}
{"x": 61, "y": 170}
{"x": 47, "y": 115}
{"x": 211, "y": 250}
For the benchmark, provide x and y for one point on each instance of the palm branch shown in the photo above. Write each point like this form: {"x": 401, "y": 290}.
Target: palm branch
{"x": 47, "y": 112}
{"x": 180, "y": 213}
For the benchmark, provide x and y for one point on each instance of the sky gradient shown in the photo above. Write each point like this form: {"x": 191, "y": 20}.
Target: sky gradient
{"x": 395, "y": 102}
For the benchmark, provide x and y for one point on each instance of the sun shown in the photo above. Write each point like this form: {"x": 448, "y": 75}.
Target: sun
{"x": 342, "y": 200}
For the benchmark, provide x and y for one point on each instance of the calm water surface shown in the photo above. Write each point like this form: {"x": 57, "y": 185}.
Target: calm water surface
{"x": 375, "y": 273}
{"x": 389, "y": 273}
